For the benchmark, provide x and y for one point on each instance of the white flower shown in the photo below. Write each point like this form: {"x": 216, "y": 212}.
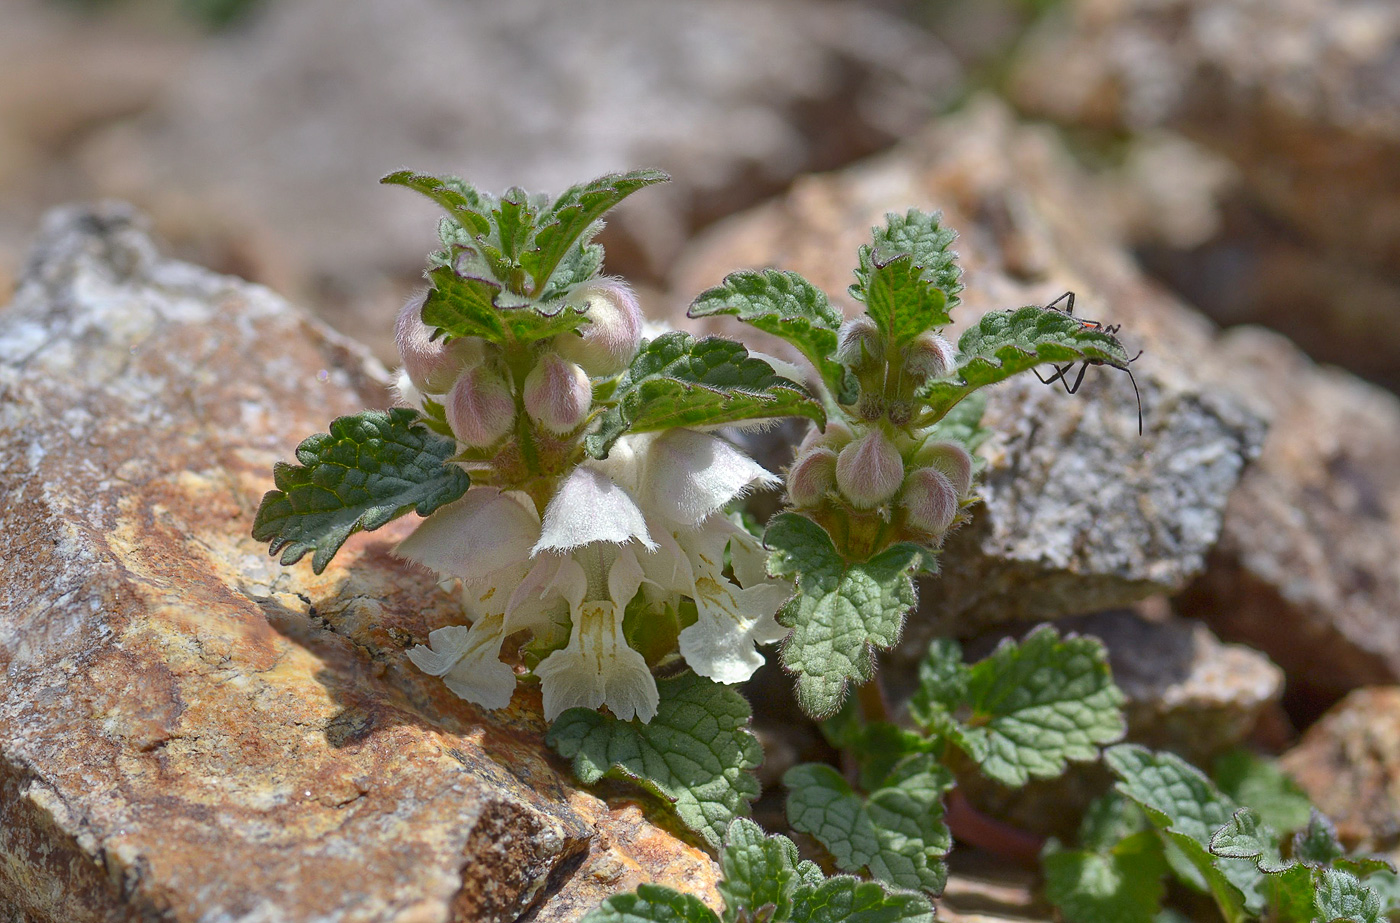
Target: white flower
{"x": 648, "y": 514}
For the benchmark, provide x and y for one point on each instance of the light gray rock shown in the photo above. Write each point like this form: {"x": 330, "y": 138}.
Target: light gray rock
{"x": 190, "y": 732}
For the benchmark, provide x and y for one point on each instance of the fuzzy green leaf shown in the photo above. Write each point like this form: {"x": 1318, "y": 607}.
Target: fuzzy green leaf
{"x": 1006, "y": 343}
{"x": 897, "y": 833}
{"x": 1033, "y": 707}
{"x": 963, "y": 424}
{"x": 1260, "y": 783}
{"x": 842, "y": 612}
{"x": 573, "y": 215}
{"x": 695, "y": 753}
{"x": 924, "y": 238}
{"x": 787, "y": 306}
{"x": 652, "y": 904}
{"x": 901, "y": 303}
{"x": 1182, "y": 803}
{"x": 466, "y": 206}
{"x": 848, "y": 900}
{"x": 370, "y": 469}
{"x": 1248, "y": 837}
{"x": 460, "y": 306}
{"x": 1342, "y": 898}
{"x": 1120, "y": 884}
{"x": 1317, "y": 843}
{"x": 677, "y": 380}
{"x": 759, "y": 871}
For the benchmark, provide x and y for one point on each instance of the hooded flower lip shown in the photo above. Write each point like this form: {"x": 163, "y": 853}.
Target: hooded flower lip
{"x": 691, "y": 475}
{"x": 591, "y": 507}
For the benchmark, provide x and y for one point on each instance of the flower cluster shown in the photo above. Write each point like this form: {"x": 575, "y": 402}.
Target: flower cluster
{"x": 610, "y": 565}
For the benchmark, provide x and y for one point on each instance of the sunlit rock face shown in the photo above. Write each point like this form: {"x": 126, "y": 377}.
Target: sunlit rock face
{"x": 189, "y": 730}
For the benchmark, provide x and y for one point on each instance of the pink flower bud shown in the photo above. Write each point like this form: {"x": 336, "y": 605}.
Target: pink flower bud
{"x": 929, "y": 356}
{"x": 834, "y": 437}
{"x": 606, "y": 344}
{"x": 811, "y": 476}
{"x": 949, "y": 458}
{"x": 480, "y": 408}
{"x": 432, "y": 365}
{"x": 557, "y": 394}
{"x": 869, "y": 470}
{"x": 859, "y": 341}
{"x": 929, "y": 501}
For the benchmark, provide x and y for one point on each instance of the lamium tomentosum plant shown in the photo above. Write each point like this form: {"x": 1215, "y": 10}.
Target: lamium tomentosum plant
{"x": 576, "y": 487}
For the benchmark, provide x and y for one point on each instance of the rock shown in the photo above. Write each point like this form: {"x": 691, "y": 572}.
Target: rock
{"x": 1303, "y": 97}
{"x": 189, "y": 731}
{"x": 1306, "y": 565}
{"x": 1080, "y": 514}
{"x": 1349, "y": 765}
{"x": 734, "y": 97}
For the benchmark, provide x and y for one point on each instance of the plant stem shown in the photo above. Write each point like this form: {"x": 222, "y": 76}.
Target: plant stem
{"x": 974, "y": 828}
{"x": 872, "y": 701}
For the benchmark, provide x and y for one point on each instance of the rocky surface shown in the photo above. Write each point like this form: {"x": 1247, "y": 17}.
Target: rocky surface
{"x": 262, "y": 158}
{"x": 1349, "y": 764}
{"x": 1080, "y": 514}
{"x": 189, "y": 731}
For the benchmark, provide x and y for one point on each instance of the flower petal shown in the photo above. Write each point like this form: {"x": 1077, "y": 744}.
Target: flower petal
{"x": 690, "y": 475}
{"x": 598, "y": 668}
{"x": 590, "y": 507}
{"x": 721, "y": 643}
{"x": 481, "y": 533}
{"x": 468, "y": 660}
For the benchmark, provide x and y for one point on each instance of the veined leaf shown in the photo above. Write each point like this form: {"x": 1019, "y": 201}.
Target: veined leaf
{"x": 573, "y": 214}
{"x": 463, "y": 307}
{"x": 462, "y": 202}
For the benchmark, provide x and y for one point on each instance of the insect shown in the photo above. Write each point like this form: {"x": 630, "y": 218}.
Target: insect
{"x": 1062, "y": 371}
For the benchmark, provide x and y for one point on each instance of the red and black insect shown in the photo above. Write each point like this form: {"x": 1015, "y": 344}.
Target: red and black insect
{"x": 1062, "y": 371}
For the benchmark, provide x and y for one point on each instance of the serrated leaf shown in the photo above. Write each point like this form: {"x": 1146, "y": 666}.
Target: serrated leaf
{"x": 1248, "y": 837}
{"x": 1110, "y": 819}
{"x": 881, "y": 747}
{"x": 897, "y": 833}
{"x": 842, "y": 612}
{"x": 923, "y": 237}
{"x": 1292, "y": 894}
{"x": 1317, "y": 843}
{"x": 695, "y": 753}
{"x": 1121, "y": 884}
{"x": 787, "y": 306}
{"x": 460, "y": 306}
{"x": 1182, "y": 803}
{"x": 1006, "y": 343}
{"x": 573, "y": 215}
{"x": 1261, "y": 785}
{"x": 515, "y": 222}
{"x": 843, "y": 899}
{"x": 759, "y": 871}
{"x": 1037, "y": 705}
{"x": 901, "y": 302}
{"x": 463, "y": 203}
{"x": 1342, "y": 898}
{"x": 579, "y": 265}
{"x": 370, "y": 469}
{"x": 943, "y": 679}
{"x": 652, "y": 904}
{"x": 677, "y": 380}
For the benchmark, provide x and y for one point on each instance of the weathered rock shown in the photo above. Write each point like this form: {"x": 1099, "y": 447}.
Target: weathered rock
{"x": 189, "y": 731}
{"x": 1349, "y": 765}
{"x": 1079, "y": 513}
{"x": 734, "y": 97}
{"x": 1306, "y": 568}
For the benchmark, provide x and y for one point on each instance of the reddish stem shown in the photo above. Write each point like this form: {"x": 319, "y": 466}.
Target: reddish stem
{"x": 973, "y": 827}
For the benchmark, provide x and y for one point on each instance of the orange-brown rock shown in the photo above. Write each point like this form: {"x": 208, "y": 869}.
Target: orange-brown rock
{"x": 189, "y": 731}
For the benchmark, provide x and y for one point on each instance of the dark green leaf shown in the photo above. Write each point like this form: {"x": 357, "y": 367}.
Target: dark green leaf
{"x": 759, "y": 871}
{"x": 652, "y": 904}
{"x": 695, "y": 753}
{"x": 943, "y": 679}
{"x": 463, "y": 203}
{"x": 677, "y": 380}
{"x": 1341, "y": 897}
{"x": 842, "y": 612}
{"x": 901, "y": 303}
{"x": 463, "y": 307}
{"x": 847, "y": 900}
{"x": 371, "y": 468}
{"x": 1259, "y": 783}
{"x": 573, "y": 214}
{"x": 924, "y": 238}
{"x": 1121, "y": 884}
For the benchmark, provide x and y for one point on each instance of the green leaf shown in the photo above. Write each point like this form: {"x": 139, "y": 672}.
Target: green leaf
{"x": 1292, "y": 894}
{"x": 1110, "y": 819}
{"x": 901, "y": 303}
{"x": 462, "y": 202}
{"x": 677, "y": 380}
{"x": 515, "y": 221}
{"x": 1342, "y": 897}
{"x": 924, "y": 238}
{"x": 847, "y": 900}
{"x": 787, "y": 306}
{"x": 370, "y": 468}
{"x": 943, "y": 679}
{"x": 759, "y": 871}
{"x": 1248, "y": 837}
{"x": 1034, "y": 706}
{"x": 652, "y": 904}
{"x": 1260, "y": 783}
{"x": 464, "y": 307}
{"x": 1121, "y": 884}
{"x": 578, "y": 266}
{"x": 1006, "y": 343}
{"x": 897, "y": 833}
{"x": 573, "y": 215}
{"x": 963, "y": 424}
{"x": 1317, "y": 843}
{"x": 1182, "y": 803}
{"x": 881, "y": 746}
{"x": 695, "y": 753}
{"x": 842, "y": 612}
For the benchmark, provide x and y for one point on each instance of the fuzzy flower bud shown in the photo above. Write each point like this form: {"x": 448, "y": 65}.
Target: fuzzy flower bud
{"x": 929, "y": 501}
{"x": 929, "y": 356}
{"x": 869, "y": 470}
{"x": 811, "y": 476}
{"x": 949, "y": 458}
{"x": 834, "y": 437}
{"x": 858, "y": 342}
{"x": 606, "y": 344}
{"x": 557, "y": 394}
{"x": 480, "y": 408}
{"x": 432, "y": 365}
